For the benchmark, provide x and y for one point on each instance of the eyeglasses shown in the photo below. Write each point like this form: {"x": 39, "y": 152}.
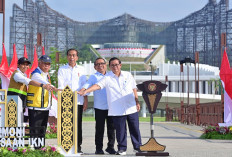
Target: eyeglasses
{"x": 98, "y": 64}
{"x": 114, "y": 65}
{"x": 72, "y": 55}
{"x": 45, "y": 63}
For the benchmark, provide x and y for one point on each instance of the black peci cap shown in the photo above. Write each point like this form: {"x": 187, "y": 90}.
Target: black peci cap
{"x": 45, "y": 58}
{"x": 23, "y": 60}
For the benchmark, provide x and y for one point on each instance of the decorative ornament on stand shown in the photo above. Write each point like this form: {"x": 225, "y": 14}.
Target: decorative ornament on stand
{"x": 152, "y": 95}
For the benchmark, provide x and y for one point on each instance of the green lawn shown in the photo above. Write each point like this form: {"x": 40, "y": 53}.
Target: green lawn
{"x": 141, "y": 119}
{"x": 155, "y": 119}
{"x": 88, "y": 119}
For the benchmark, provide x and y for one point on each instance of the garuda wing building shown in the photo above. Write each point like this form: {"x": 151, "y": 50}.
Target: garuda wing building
{"x": 200, "y": 31}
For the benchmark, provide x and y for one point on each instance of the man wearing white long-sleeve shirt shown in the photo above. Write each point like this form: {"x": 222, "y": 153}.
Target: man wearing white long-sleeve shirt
{"x": 39, "y": 100}
{"x": 101, "y": 110}
{"x": 123, "y": 104}
{"x": 72, "y": 75}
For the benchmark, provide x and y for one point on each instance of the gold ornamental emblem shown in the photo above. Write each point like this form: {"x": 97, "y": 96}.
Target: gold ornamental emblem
{"x": 152, "y": 87}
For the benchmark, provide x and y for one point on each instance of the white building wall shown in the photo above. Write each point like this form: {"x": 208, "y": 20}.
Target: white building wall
{"x": 193, "y": 87}
{"x": 173, "y": 69}
{"x": 125, "y": 52}
{"x": 200, "y": 87}
{"x": 186, "y": 87}
{"x": 159, "y": 57}
{"x": 206, "y": 87}
{"x": 213, "y": 87}
{"x": 173, "y": 89}
{"x": 208, "y": 73}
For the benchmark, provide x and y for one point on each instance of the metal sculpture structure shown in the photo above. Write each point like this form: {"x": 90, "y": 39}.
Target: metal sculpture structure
{"x": 200, "y": 31}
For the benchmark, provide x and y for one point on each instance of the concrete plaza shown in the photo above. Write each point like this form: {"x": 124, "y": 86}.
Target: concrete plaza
{"x": 181, "y": 140}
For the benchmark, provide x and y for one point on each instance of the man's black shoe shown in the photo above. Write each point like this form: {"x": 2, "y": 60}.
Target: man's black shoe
{"x": 110, "y": 150}
{"x": 137, "y": 150}
{"x": 99, "y": 152}
{"x": 80, "y": 152}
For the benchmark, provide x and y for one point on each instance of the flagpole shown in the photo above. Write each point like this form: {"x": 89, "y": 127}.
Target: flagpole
{"x": 2, "y": 10}
{"x": 223, "y": 45}
{"x": 3, "y": 29}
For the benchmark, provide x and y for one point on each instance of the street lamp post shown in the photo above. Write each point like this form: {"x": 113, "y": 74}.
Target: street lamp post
{"x": 187, "y": 61}
{"x": 181, "y": 91}
{"x": 151, "y": 70}
{"x": 197, "y": 94}
{"x": 151, "y": 115}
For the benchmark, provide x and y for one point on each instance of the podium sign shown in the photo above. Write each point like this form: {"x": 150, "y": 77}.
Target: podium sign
{"x": 152, "y": 95}
{"x": 12, "y": 130}
{"x": 3, "y": 99}
{"x": 67, "y": 122}
{"x": 14, "y": 111}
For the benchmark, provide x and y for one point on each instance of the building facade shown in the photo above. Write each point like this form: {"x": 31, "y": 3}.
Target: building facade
{"x": 134, "y": 50}
{"x": 200, "y": 31}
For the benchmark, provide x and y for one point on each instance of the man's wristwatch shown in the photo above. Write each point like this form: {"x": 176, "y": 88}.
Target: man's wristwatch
{"x": 41, "y": 85}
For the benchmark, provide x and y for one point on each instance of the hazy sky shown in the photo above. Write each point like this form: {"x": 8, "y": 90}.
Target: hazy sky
{"x": 97, "y": 10}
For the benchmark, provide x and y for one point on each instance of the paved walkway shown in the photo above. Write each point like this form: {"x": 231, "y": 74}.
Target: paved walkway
{"x": 180, "y": 140}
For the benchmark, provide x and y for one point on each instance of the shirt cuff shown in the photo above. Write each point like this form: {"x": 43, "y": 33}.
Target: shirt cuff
{"x": 100, "y": 85}
{"x": 86, "y": 86}
{"x": 27, "y": 81}
{"x": 60, "y": 87}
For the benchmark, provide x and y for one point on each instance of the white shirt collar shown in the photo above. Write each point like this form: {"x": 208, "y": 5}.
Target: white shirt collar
{"x": 113, "y": 75}
{"x": 21, "y": 72}
{"x": 70, "y": 66}
{"x": 98, "y": 73}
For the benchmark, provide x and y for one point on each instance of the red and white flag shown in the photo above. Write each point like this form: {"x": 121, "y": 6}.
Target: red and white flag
{"x": 25, "y": 52}
{"x": 13, "y": 64}
{"x": 4, "y": 69}
{"x": 43, "y": 51}
{"x": 226, "y": 78}
{"x": 4, "y": 64}
{"x": 35, "y": 62}
{"x": 28, "y": 72}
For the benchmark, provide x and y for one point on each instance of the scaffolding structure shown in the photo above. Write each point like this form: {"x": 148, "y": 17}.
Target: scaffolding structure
{"x": 199, "y": 31}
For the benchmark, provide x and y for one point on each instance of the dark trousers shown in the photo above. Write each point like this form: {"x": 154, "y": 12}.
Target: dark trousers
{"x": 79, "y": 113}
{"x": 121, "y": 130}
{"x": 101, "y": 116}
{"x": 38, "y": 118}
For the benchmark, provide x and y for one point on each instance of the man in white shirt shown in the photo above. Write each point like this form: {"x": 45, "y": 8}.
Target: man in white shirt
{"x": 101, "y": 110}
{"x": 39, "y": 100}
{"x": 123, "y": 104}
{"x": 72, "y": 75}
